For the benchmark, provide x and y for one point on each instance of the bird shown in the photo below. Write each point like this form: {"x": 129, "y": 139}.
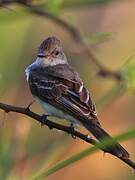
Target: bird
{"x": 60, "y": 91}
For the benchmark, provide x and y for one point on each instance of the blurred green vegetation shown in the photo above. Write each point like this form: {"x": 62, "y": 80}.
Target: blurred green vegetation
{"x": 26, "y": 149}
{"x": 85, "y": 153}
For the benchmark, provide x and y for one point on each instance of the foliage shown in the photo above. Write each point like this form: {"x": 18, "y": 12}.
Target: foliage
{"x": 128, "y": 73}
{"x": 86, "y": 152}
{"x": 54, "y": 6}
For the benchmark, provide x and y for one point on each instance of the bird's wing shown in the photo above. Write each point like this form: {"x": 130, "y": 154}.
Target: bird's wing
{"x": 62, "y": 87}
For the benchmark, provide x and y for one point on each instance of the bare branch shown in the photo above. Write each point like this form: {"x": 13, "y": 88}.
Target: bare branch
{"x": 26, "y": 111}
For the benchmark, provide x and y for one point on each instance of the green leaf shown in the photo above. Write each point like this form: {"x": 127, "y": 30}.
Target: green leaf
{"x": 124, "y": 136}
{"x": 98, "y": 37}
{"x": 128, "y": 73}
{"x": 53, "y": 6}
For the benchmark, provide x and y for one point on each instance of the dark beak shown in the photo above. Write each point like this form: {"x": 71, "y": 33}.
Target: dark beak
{"x": 41, "y": 55}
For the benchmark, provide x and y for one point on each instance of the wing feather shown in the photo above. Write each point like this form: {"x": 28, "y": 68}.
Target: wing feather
{"x": 63, "y": 89}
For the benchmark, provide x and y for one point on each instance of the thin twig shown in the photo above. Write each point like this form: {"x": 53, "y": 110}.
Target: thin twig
{"x": 26, "y": 111}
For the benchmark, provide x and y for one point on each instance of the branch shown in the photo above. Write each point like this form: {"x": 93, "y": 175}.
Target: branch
{"x": 73, "y": 31}
{"x": 26, "y": 111}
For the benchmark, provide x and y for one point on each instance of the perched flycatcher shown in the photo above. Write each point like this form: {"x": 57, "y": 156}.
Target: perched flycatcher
{"x": 61, "y": 92}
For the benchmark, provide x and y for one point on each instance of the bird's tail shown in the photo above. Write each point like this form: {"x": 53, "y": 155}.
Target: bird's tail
{"x": 100, "y": 134}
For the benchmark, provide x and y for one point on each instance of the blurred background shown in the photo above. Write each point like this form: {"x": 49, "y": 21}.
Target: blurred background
{"x": 108, "y": 29}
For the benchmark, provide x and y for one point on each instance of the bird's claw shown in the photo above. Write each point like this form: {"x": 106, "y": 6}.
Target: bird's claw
{"x": 43, "y": 119}
{"x": 88, "y": 137}
{"x": 72, "y": 130}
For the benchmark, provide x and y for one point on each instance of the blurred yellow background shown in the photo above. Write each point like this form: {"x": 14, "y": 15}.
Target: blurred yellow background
{"x": 25, "y": 147}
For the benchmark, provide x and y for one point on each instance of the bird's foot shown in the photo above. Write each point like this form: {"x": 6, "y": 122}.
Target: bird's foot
{"x": 43, "y": 119}
{"x": 72, "y": 130}
{"x": 88, "y": 137}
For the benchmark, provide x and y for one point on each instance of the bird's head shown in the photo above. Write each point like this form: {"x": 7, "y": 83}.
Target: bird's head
{"x": 50, "y": 52}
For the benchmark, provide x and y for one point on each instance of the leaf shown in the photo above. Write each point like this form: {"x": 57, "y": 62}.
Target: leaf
{"x": 98, "y": 37}
{"x": 128, "y": 73}
{"x": 124, "y": 136}
{"x": 53, "y": 6}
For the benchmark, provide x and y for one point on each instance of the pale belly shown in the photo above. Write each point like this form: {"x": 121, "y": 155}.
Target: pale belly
{"x": 52, "y": 111}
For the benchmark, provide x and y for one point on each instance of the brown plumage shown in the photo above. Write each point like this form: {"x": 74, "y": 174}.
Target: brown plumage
{"x": 60, "y": 86}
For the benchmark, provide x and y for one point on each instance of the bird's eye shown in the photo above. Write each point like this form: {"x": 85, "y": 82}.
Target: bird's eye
{"x": 57, "y": 53}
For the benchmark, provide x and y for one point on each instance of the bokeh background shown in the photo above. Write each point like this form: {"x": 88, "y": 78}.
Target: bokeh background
{"x": 108, "y": 28}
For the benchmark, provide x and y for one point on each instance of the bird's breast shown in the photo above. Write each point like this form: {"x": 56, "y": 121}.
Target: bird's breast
{"x": 53, "y": 111}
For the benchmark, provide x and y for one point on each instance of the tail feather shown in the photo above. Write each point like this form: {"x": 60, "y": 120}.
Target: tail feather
{"x": 100, "y": 134}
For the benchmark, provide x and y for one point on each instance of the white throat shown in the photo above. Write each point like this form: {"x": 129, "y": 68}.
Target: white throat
{"x": 54, "y": 61}
{"x": 36, "y": 63}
